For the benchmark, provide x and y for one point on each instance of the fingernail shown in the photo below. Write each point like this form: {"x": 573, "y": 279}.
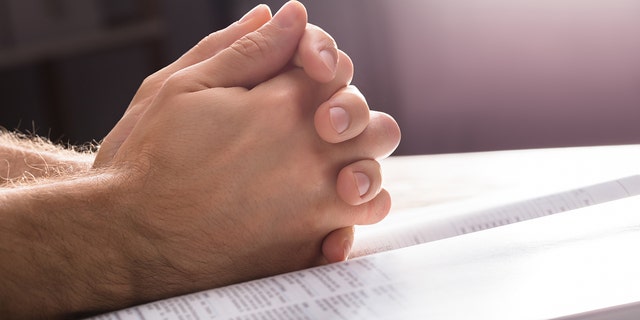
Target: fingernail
{"x": 363, "y": 182}
{"x": 251, "y": 14}
{"x": 330, "y": 59}
{"x": 339, "y": 119}
{"x": 286, "y": 16}
{"x": 347, "y": 249}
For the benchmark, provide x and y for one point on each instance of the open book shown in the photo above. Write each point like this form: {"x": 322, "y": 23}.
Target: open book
{"x": 452, "y": 262}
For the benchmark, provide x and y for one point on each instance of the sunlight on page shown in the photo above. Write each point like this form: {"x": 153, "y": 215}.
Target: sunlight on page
{"x": 575, "y": 262}
{"x": 447, "y": 178}
{"x": 420, "y": 225}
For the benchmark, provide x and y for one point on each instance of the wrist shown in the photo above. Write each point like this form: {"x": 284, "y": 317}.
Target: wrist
{"x": 66, "y": 248}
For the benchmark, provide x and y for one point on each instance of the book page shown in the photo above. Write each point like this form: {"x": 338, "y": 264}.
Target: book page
{"x": 327, "y": 292}
{"x": 576, "y": 262}
{"x": 415, "y": 226}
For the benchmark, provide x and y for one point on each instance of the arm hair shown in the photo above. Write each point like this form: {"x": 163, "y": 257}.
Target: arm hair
{"x": 26, "y": 159}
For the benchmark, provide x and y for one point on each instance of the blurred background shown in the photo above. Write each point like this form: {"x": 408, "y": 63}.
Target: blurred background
{"x": 458, "y": 75}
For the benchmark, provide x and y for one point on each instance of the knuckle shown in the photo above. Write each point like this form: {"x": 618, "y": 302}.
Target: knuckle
{"x": 207, "y": 44}
{"x": 355, "y": 91}
{"x": 178, "y": 82}
{"x": 355, "y": 99}
{"x": 345, "y": 65}
{"x": 252, "y": 45}
{"x": 151, "y": 80}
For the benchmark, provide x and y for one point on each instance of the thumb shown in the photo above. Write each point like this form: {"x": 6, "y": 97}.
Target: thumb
{"x": 337, "y": 244}
{"x": 257, "y": 56}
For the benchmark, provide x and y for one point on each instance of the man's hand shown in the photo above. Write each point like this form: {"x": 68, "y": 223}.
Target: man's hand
{"x": 237, "y": 172}
{"x": 316, "y": 53}
{"x": 223, "y": 178}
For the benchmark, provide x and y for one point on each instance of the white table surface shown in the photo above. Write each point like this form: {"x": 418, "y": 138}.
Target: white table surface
{"x": 416, "y": 181}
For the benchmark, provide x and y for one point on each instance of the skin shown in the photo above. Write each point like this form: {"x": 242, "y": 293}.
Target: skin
{"x": 225, "y": 168}
{"x": 26, "y": 161}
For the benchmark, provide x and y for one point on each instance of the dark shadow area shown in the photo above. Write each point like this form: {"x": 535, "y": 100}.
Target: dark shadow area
{"x": 68, "y": 69}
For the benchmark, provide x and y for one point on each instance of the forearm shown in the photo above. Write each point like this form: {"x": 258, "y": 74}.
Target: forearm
{"x": 25, "y": 159}
{"x": 63, "y": 250}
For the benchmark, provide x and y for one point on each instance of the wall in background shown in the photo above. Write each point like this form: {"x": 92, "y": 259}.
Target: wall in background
{"x": 462, "y": 75}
